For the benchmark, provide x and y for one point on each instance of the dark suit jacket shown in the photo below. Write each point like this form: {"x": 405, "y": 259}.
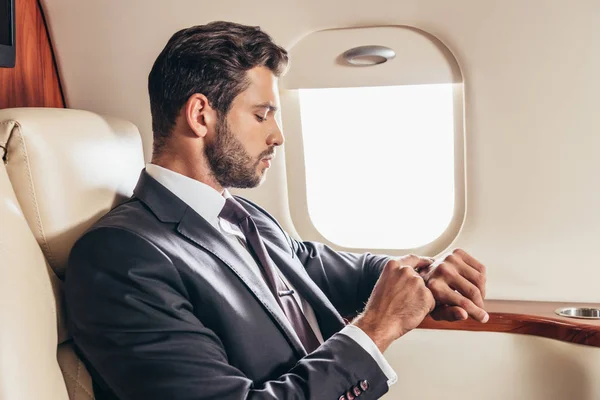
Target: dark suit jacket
{"x": 161, "y": 306}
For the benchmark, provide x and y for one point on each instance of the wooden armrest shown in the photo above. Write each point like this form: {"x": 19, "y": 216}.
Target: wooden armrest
{"x": 529, "y": 318}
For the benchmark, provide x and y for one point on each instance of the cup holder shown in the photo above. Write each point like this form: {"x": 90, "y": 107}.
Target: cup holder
{"x": 579, "y": 312}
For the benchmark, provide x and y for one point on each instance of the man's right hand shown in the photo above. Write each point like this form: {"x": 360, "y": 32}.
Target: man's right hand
{"x": 399, "y": 302}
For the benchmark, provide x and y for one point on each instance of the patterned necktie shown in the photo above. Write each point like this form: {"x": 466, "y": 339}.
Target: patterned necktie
{"x": 234, "y": 213}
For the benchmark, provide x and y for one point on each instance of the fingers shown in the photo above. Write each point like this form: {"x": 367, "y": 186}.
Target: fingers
{"x": 474, "y": 277}
{"x": 449, "y": 313}
{"x": 416, "y": 279}
{"x": 469, "y": 259}
{"x": 454, "y": 264}
{"x": 458, "y": 276}
{"x": 424, "y": 262}
{"x": 429, "y": 300}
{"x": 445, "y": 295}
{"x": 467, "y": 288}
{"x": 415, "y": 261}
{"x": 476, "y": 271}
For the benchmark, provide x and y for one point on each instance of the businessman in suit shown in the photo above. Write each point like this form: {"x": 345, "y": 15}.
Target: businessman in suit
{"x": 187, "y": 292}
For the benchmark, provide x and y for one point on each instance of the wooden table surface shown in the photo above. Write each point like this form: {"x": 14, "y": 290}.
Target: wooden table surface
{"x": 530, "y": 318}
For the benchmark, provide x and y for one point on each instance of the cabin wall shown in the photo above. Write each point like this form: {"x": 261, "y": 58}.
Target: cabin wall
{"x": 34, "y": 81}
{"x": 433, "y": 365}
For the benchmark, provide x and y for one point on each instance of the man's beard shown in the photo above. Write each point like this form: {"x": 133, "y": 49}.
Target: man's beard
{"x": 230, "y": 163}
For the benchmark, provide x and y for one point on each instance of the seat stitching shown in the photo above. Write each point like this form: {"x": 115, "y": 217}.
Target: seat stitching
{"x": 79, "y": 363}
{"x": 33, "y": 197}
{"x": 55, "y": 310}
{"x": 77, "y": 383}
{"x": 17, "y": 127}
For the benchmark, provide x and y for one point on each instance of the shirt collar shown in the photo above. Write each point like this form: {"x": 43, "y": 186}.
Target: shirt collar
{"x": 203, "y": 199}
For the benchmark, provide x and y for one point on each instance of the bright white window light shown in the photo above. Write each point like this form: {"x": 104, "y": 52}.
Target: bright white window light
{"x": 379, "y": 163}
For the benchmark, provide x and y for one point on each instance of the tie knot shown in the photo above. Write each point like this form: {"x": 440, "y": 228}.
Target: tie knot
{"x": 233, "y": 212}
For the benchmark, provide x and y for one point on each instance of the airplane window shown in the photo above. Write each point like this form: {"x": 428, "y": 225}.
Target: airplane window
{"x": 379, "y": 163}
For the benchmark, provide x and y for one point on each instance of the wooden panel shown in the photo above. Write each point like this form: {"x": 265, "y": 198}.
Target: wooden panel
{"x": 34, "y": 80}
{"x": 529, "y": 318}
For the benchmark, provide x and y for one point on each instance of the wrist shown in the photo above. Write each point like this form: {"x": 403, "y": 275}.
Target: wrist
{"x": 380, "y": 337}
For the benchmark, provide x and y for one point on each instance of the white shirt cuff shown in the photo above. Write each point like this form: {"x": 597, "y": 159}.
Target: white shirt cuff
{"x": 364, "y": 341}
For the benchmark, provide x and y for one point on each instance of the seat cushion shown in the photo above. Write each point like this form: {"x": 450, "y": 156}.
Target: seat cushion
{"x": 28, "y": 309}
{"x": 63, "y": 169}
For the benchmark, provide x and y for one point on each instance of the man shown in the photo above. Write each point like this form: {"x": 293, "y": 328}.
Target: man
{"x": 185, "y": 292}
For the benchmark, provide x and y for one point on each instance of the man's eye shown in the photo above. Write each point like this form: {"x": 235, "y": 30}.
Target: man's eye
{"x": 260, "y": 119}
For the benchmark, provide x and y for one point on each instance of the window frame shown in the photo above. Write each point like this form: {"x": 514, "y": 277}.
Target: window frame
{"x": 296, "y": 179}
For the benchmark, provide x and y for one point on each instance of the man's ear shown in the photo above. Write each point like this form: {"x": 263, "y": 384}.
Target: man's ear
{"x": 200, "y": 116}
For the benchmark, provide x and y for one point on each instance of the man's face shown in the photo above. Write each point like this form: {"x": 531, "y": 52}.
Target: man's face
{"x": 244, "y": 142}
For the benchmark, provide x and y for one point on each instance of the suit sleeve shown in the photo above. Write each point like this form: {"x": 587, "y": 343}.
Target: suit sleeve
{"x": 131, "y": 321}
{"x": 346, "y": 278}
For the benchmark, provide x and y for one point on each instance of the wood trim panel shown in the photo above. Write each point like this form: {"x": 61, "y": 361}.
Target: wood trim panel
{"x": 34, "y": 81}
{"x": 529, "y": 318}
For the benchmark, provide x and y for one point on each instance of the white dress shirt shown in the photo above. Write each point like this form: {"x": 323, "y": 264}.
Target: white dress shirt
{"x": 208, "y": 203}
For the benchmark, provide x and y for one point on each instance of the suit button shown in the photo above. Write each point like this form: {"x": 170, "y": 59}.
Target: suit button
{"x": 342, "y": 397}
{"x": 357, "y": 391}
{"x": 350, "y": 395}
{"x": 364, "y": 385}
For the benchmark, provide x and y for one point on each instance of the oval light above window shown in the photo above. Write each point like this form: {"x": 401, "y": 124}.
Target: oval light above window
{"x": 368, "y": 55}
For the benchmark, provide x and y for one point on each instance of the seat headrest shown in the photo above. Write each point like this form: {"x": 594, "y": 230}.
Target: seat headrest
{"x": 67, "y": 168}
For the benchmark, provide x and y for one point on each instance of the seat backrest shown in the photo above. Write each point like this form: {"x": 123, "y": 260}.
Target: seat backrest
{"x": 62, "y": 169}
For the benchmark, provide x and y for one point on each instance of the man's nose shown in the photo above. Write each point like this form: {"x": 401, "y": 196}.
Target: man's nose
{"x": 275, "y": 137}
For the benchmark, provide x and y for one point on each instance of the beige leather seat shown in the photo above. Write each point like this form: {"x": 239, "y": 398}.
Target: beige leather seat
{"x": 62, "y": 170}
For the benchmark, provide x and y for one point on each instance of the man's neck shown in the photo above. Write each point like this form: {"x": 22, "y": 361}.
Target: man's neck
{"x": 185, "y": 167}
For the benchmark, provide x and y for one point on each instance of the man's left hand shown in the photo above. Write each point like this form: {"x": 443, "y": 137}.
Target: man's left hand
{"x": 457, "y": 282}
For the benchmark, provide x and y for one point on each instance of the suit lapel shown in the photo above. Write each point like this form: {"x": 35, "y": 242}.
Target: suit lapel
{"x": 198, "y": 230}
{"x": 168, "y": 208}
{"x": 330, "y": 320}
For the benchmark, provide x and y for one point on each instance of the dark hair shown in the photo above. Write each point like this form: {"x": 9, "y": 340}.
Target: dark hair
{"x": 211, "y": 59}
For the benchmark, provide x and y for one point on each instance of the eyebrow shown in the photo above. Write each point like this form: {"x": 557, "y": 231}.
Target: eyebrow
{"x": 268, "y": 106}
